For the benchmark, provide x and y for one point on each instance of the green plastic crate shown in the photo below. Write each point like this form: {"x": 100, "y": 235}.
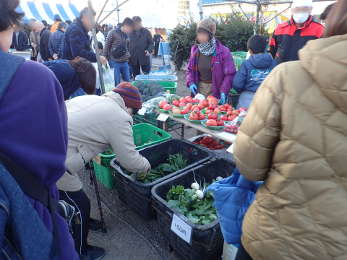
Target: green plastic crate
{"x": 170, "y": 86}
{"x": 239, "y": 57}
{"x": 144, "y": 135}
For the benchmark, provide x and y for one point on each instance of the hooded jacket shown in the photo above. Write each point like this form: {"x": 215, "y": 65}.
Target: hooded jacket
{"x": 223, "y": 69}
{"x": 33, "y": 133}
{"x": 295, "y": 139}
{"x": 95, "y": 124}
{"x": 253, "y": 72}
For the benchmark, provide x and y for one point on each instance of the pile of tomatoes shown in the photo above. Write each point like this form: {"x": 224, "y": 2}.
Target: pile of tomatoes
{"x": 207, "y": 109}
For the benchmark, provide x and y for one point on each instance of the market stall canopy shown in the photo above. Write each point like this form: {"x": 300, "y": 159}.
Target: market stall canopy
{"x": 47, "y": 9}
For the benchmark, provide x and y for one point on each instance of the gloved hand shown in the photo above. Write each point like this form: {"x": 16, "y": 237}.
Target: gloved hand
{"x": 193, "y": 89}
{"x": 223, "y": 99}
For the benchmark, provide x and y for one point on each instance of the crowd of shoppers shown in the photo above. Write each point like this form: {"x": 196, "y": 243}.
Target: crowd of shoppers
{"x": 294, "y": 137}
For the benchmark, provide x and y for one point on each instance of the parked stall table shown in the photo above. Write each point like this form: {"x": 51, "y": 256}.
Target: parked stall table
{"x": 221, "y": 135}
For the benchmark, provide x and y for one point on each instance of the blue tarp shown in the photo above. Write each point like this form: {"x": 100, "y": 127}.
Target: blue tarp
{"x": 62, "y": 12}
{"x": 48, "y": 10}
{"x": 34, "y": 11}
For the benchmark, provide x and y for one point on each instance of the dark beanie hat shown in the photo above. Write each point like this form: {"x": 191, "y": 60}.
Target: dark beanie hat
{"x": 130, "y": 95}
{"x": 257, "y": 44}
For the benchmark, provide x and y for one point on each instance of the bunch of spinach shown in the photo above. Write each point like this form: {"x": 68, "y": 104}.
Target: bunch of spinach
{"x": 174, "y": 163}
{"x": 198, "y": 211}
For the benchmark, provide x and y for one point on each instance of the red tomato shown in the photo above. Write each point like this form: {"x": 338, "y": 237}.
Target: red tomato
{"x": 188, "y": 99}
{"x": 185, "y": 111}
{"x": 202, "y": 117}
{"x": 224, "y": 118}
{"x": 195, "y": 107}
{"x": 162, "y": 104}
{"x": 190, "y": 105}
{"x": 176, "y": 103}
{"x": 229, "y": 113}
{"x": 220, "y": 123}
{"x": 195, "y": 101}
{"x": 182, "y": 99}
{"x": 212, "y": 100}
{"x": 167, "y": 107}
{"x": 182, "y": 104}
{"x": 213, "y": 116}
{"x": 204, "y": 103}
{"x": 211, "y": 122}
{"x": 194, "y": 116}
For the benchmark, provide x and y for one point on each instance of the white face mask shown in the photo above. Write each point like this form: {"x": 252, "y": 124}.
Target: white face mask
{"x": 300, "y": 17}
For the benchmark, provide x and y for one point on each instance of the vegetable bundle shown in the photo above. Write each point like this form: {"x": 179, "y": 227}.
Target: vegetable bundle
{"x": 174, "y": 163}
{"x": 194, "y": 203}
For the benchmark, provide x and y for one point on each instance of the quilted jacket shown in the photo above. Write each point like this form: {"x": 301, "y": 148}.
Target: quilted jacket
{"x": 295, "y": 139}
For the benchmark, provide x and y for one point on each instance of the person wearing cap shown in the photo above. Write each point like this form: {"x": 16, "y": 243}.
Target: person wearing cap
{"x": 211, "y": 68}
{"x": 95, "y": 124}
{"x": 290, "y": 37}
{"x": 57, "y": 21}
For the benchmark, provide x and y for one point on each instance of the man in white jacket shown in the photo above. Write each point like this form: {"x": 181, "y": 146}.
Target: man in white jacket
{"x": 96, "y": 123}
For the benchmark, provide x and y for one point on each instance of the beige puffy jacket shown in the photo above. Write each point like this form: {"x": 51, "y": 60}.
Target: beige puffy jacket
{"x": 295, "y": 139}
{"x": 96, "y": 123}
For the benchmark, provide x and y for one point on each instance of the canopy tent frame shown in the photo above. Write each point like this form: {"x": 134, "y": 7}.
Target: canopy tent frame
{"x": 259, "y": 8}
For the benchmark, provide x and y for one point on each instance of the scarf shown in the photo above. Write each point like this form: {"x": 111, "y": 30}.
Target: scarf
{"x": 208, "y": 48}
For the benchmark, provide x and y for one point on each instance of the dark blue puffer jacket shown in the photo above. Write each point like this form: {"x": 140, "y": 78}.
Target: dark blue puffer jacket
{"x": 77, "y": 43}
{"x": 253, "y": 72}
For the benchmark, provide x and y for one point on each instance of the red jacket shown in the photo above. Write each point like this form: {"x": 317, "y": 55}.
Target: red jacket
{"x": 288, "y": 39}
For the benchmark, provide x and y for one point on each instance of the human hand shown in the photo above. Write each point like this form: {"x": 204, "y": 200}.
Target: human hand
{"x": 147, "y": 53}
{"x": 193, "y": 89}
{"x": 103, "y": 60}
{"x": 223, "y": 99}
{"x": 55, "y": 56}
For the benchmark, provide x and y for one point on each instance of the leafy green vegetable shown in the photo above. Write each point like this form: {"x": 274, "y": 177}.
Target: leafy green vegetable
{"x": 198, "y": 211}
{"x": 174, "y": 163}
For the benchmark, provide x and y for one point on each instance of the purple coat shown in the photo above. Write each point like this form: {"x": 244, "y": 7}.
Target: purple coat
{"x": 33, "y": 132}
{"x": 223, "y": 69}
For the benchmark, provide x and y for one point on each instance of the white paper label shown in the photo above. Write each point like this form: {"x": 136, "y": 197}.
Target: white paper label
{"x": 163, "y": 117}
{"x": 181, "y": 229}
{"x": 231, "y": 149}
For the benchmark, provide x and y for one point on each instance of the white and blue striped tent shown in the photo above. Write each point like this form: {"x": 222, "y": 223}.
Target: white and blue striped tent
{"x": 46, "y": 9}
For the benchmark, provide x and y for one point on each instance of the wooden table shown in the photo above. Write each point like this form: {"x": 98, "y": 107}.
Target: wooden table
{"x": 221, "y": 135}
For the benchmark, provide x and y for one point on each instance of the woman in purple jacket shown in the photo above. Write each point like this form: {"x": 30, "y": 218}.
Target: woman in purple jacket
{"x": 33, "y": 128}
{"x": 211, "y": 68}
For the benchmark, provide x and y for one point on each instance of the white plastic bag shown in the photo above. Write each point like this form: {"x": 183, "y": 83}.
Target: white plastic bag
{"x": 108, "y": 76}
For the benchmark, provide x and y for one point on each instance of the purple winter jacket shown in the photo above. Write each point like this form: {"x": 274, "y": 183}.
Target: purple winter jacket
{"x": 223, "y": 69}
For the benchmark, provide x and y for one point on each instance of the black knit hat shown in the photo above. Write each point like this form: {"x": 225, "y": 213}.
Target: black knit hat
{"x": 257, "y": 44}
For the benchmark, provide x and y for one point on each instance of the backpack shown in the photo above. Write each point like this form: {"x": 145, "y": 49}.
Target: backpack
{"x": 26, "y": 182}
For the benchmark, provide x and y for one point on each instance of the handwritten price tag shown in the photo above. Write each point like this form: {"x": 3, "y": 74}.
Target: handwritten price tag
{"x": 181, "y": 229}
{"x": 163, "y": 117}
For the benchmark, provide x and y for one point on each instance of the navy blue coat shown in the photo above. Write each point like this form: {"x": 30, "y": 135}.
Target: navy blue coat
{"x": 56, "y": 44}
{"x": 77, "y": 43}
{"x": 253, "y": 72}
{"x": 66, "y": 75}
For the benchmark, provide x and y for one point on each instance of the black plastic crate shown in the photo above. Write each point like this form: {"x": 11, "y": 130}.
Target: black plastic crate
{"x": 207, "y": 240}
{"x": 137, "y": 195}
